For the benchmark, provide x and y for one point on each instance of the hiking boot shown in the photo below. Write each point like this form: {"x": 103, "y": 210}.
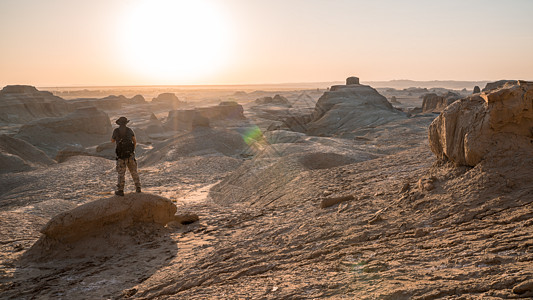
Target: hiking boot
{"x": 119, "y": 193}
{"x": 138, "y": 189}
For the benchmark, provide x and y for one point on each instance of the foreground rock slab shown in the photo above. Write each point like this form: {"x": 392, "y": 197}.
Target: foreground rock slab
{"x": 92, "y": 218}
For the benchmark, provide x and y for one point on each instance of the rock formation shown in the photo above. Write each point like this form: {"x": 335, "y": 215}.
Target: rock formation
{"x": 496, "y": 84}
{"x": 155, "y": 126}
{"x": 297, "y": 122}
{"x": 435, "y": 103}
{"x": 93, "y": 218}
{"x": 493, "y": 123}
{"x": 137, "y": 99}
{"x": 476, "y": 90}
{"x": 184, "y": 119}
{"x": 348, "y": 107}
{"x": 18, "y": 155}
{"x": 69, "y": 151}
{"x": 108, "y": 103}
{"x": 83, "y": 120}
{"x": 103, "y": 227}
{"x": 352, "y": 80}
{"x": 168, "y": 100}
{"x": 85, "y": 126}
{"x": 200, "y": 142}
{"x": 276, "y": 100}
{"x": 223, "y": 111}
{"x": 23, "y": 103}
{"x": 188, "y": 119}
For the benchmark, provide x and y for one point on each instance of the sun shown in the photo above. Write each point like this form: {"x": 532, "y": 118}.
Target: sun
{"x": 174, "y": 41}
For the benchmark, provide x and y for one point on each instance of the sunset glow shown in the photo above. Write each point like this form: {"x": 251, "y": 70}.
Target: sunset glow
{"x": 172, "y": 41}
{"x": 176, "y": 42}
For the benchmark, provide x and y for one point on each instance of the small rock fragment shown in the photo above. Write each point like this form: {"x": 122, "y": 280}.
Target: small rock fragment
{"x": 524, "y": 287}
{"x": 405, "y": 188}
{"x": 187, "y": 218}
{"x": 327, "y": 202}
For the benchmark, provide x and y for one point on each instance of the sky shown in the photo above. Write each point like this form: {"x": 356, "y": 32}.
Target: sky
{"x": 176, "y": 42}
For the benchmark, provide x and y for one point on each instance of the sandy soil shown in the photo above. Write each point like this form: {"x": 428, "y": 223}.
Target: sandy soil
{"x": 415, "y": 228}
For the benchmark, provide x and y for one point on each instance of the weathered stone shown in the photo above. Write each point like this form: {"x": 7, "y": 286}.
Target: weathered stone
{"x": 18, "y": 155}
{"x": 435, "y": 103}
{"x": 24, "y": 103}
{"x": 497, "y": 84}
{"x": 137, "y": 99}
{"x": 168, "y": 100}
{"x": 202, "y": 116}
{"x": 497, "y": 122}
{"x": 352, "y": 80}
{"x": 327, "y": 202}
{"x": 524, "y": 287}
{"x": 276, "y": 100}
{"x": 83, "y": 120}
{"x": 93, "y": 218}
{"x": 108, "y": 103}
{"x": 70, "y": 151}
{"x": 346, "y": 108}
{"x": 84, "y": 127}
{"x": 186, "y": 218}
{"x": 476, "y": 90}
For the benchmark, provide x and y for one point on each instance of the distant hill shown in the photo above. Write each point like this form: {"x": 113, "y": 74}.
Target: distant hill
{"x": 448, "y": 84}
{"x": 397, "y": 84}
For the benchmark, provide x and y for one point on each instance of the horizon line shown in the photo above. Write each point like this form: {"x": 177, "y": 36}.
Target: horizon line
{"x": 256, "y": 84}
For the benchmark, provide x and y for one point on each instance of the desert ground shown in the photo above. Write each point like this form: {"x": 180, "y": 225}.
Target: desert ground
{"x": 333, "y": 192}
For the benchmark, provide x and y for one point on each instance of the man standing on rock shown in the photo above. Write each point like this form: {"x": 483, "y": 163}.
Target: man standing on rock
{"x": 124, "y": 137}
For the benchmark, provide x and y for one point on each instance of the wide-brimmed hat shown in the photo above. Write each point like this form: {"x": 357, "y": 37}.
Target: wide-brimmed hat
{"x": 122, "y": 121}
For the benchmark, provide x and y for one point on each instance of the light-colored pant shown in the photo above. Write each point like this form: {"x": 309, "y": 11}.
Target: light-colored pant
{"x": 131, "y": 164}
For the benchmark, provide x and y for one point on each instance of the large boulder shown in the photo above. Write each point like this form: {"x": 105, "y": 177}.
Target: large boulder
{"x": 346, "y": 108}
{"x": 436, "y": 103}
{"x": 94, "y": 217}
{"x": 103, "y": 228}
{"x": 24, "y": 103}
{"x": 492, "y": 124}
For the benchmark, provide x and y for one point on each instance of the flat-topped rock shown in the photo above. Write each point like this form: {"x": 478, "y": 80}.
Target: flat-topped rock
{"x": 348, "y": 107}
{"x": 23, "y": 103}
{"x": 352, "y": 80}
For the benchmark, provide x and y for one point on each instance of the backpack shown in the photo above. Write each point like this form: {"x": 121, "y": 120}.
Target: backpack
{"x": 125, "y": 147}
